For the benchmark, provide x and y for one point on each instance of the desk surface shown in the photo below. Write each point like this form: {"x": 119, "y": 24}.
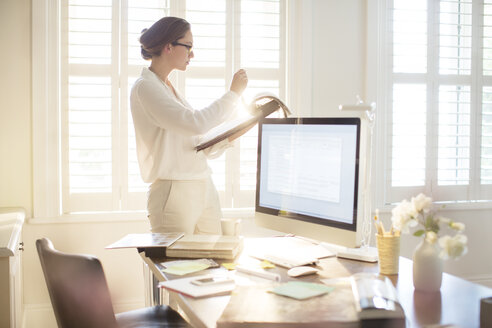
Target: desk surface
{"x": 458, "y": 302}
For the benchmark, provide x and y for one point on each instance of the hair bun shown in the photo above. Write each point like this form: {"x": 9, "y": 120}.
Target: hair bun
{"x": 145, "y": 54}
{"x": 166, "y": 30}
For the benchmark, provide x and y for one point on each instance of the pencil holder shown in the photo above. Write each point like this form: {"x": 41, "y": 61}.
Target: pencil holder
{"x": 389, "y": 253}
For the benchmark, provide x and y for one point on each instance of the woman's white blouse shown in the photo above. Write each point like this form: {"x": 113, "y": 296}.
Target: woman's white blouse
{"x": 167, "y": 129}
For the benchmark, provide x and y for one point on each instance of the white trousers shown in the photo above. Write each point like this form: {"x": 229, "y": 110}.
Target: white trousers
{"x": 189, "y": 206}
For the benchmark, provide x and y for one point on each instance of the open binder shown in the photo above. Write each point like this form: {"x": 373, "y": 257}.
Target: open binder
{"x": 153, "y": 244}
{"x": 147, "y": 240}
{"x": 262, "y": 106}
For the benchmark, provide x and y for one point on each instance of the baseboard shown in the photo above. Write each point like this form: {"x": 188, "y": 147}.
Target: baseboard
{"x": 38, "y": 315}
{"x": 482, "y": 279}
{"x": 42, "y": 315}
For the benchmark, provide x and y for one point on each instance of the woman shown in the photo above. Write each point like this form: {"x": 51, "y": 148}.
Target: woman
{"x": 181, "y": 196}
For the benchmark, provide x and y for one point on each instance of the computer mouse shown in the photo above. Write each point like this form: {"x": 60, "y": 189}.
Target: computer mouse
{"x": 301, "y": 271}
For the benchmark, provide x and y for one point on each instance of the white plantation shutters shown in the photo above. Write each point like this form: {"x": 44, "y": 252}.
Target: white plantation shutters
{"x": 263, "y": 54}
{"x": 486, "y": 99}
{"x": 408, "y": 135}
{"x": 486, "y": 147}
{"x": 439, "y": 118}
{"x": 206, "y": 77}
{"x": 88, "y": 100}
{"x": 100, "y": 61}
{"x": 229, "y": 35}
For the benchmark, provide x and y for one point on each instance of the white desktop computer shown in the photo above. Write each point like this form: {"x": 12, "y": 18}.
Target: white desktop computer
{"x": 308, "y": 179}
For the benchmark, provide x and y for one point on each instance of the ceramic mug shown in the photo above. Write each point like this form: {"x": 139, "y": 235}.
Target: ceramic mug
{"x": 230, "y": 227}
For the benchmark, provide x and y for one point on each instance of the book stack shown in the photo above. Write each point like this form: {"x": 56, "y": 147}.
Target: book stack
{"x": 206, "y": 246}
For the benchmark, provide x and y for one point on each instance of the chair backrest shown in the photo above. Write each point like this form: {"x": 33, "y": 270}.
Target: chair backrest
{"x": 77, "y": 286}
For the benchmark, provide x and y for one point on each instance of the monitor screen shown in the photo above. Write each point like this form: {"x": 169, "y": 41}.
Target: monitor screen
{"x": 308, "y": 170}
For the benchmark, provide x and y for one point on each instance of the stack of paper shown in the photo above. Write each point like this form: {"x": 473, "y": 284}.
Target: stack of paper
{"x": 206, "y": 246}
{"x": 186, "y": 287}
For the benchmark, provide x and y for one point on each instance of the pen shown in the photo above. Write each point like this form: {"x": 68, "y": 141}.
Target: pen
{"x": 258, "y": 273}
{"x": 378, "y": 223}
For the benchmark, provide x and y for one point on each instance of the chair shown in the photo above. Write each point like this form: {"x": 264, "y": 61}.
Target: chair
{"x": 80, "y": 295}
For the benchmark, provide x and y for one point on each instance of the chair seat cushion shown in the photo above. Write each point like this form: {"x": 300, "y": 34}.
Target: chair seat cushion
{"x": 155, "y": 317}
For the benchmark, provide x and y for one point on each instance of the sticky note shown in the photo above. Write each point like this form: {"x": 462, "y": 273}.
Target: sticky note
{"x": 229, "y": 266}
{"x": 267, "y": 265}
{"x": 301, "y": 290}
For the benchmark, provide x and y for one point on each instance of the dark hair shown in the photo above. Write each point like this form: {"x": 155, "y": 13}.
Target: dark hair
{"x": 166, "y": 30}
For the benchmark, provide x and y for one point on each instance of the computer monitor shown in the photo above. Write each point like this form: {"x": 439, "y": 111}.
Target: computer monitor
{"x": 308, "y": 178}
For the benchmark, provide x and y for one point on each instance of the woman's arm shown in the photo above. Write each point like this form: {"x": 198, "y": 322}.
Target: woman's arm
{"x": 167, "y": 113}
{"x": 161, "y": 107}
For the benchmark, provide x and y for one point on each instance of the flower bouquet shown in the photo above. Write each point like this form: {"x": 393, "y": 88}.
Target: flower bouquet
{"x": 435, "y": 246}
{"x": 418, "y": 213}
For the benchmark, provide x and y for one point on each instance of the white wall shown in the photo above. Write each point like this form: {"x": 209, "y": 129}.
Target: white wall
{"x": 338, "y": 74}
{"x": 338, "y": 70}
{"x": 15, "y": 104}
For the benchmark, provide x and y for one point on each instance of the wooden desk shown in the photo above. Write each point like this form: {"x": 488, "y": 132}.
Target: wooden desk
{"x": 458, "y": 302}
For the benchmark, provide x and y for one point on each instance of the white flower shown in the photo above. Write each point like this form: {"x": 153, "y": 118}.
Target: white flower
{"x": 430, "y": 237}
{"x": 403, "y": 216}
{"x": 418, "y": 212}
{"x": 442, "y": 219}
{"x": 422, "y": 203}
{"x": 453, "y": 247}
{"x": 457, "y": 226}
{"x": 409, "y": 208}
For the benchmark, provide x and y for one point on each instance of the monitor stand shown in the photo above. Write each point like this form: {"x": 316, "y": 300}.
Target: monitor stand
{"x": 365, "y": 253}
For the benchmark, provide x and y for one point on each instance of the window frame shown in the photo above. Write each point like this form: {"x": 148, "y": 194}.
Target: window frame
{"x": 384, "y": 196}
{"x": 46, "y": 106}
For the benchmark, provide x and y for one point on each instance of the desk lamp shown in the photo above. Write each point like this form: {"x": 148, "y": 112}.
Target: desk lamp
{"x": 370, "y": 111}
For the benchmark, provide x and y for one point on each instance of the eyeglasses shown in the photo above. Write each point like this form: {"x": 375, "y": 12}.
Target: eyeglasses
{"x": 187, "y": 46}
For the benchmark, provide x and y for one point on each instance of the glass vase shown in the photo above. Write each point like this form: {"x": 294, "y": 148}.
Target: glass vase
{"x": 427, "y": 267}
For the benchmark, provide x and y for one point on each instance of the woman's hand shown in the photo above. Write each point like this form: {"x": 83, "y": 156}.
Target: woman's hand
{"x": 239, "y": 82}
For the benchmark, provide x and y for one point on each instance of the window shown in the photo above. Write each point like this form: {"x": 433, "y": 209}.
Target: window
{"x": 97, "y": 45}
{"x": 437, "y": 126}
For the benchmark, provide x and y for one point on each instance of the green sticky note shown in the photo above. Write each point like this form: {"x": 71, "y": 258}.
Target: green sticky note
{"x": 185, "y": 267}
{"x": 301, "y": 290}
